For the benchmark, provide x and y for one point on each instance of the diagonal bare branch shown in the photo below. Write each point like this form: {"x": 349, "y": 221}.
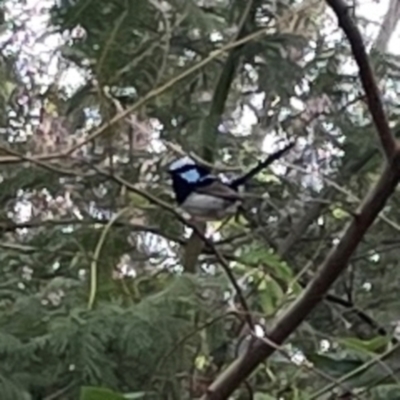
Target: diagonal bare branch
{"x": 328, "y": 272}
{"x": 337, "y": 260}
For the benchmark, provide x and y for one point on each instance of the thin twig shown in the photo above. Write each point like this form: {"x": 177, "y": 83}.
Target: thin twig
{"x": 355, "y": 372}
{"x": 96, "y": 256}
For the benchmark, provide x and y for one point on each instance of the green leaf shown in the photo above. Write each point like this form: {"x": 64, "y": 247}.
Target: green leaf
{"x": 365, "y": 346}
{"x": 339, "y": 213}
{"x": 136, "y": 395}
{"x": 270, "y": 295}
{"x": 335, "y": 367}
{"x": 263, "y": 396}
{"x": 387, "y": 392}
{"x": 95, "y": 393}
{"x": 266, "y": 302}
{"x": 261, "y": 254}
{"x": 138, "y": 200}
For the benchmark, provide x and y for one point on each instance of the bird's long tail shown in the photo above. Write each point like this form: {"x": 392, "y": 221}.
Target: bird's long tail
{"x": 261, "y": 165}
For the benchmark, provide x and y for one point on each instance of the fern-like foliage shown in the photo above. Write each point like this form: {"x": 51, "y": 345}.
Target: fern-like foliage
{"x": 148, "y": 345}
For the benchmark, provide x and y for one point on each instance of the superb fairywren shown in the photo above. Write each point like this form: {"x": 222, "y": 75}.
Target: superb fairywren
{"x": 205, "y": 196}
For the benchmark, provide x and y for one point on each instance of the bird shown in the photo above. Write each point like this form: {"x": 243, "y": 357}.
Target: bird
{"x": 205, "y": 196}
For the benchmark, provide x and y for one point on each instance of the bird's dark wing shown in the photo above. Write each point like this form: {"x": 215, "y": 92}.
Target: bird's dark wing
{"x": 219, "y": 189}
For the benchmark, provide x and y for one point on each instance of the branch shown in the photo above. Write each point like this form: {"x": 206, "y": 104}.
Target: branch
{"x": 362, "y": 315}
{"x": 328, "y": 272}
{"x": 337, "y": 260}
{"x": 368, "y": 81}
{"x": 9, "y": 226}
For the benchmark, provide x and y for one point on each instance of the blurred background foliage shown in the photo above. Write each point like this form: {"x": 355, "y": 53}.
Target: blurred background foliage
{"x": 94, "y": 301}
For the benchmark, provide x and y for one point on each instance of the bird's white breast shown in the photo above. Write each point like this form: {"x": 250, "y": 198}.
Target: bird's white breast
{"x": 208, "y": 207}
